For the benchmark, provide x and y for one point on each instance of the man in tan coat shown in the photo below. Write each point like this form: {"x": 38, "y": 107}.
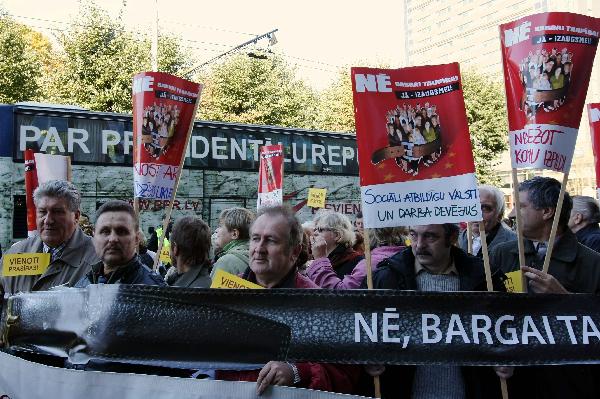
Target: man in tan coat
{"x": 58, "y": 233}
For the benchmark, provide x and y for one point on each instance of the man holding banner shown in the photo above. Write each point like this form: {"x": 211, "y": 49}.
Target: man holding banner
{"x": 573, "y": 268}
{"x": 60, "y": 253}
{"x": 275, "y": 242}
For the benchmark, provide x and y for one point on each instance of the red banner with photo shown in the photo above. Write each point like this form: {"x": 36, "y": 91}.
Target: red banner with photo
{"x": 594, "y": 118}
{"x": 270, "y": 176}
{"x": 31, "y": 183}
{"x": 414, "y": 151}
{"x": 163, "y": 109}
{"x": 547, "y": 62}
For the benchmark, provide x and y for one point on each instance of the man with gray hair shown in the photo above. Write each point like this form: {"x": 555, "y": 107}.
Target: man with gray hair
{"x": 583, "y": 221}
{"x": 492, "y": 209}
{"x": 58, "y": 233}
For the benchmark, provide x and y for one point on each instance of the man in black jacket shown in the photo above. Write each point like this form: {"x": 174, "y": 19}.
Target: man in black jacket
{"x": 116, "y": 242}
{"x": 433, "y": 263}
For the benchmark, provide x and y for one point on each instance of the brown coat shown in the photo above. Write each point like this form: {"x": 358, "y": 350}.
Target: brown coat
{"x": 75, "y": 261}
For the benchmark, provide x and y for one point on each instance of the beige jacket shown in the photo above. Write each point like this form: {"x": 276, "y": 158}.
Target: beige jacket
{"x": 75, "y": 261}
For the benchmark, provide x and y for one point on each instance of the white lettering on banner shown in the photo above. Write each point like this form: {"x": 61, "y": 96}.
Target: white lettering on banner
{"x": 542, "y": 146}
{"x": 143, "y": 83}
{"x": 109, "y": 137}
{"x": 24, "y": 138}
{"x": 374, "y": 83}
{"x": 80, "y": 141}
{"x": 517, "y": 35}
{"x": 595, "y": 114}
{"x": 52, "y": 139}
{"x": 508, "y": 329}
{"x": 218, "y": 148}
{"x": 415, "y": 202}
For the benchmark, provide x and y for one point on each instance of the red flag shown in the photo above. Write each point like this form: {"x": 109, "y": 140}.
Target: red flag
{"x": 270, "y": 176}
{"x": 547, "y": 62}
{"x": 594, "y": 118}
{"x": 163, "y": 109}
{"x": 31, "y": 183}
{"x": 415, "y": 159}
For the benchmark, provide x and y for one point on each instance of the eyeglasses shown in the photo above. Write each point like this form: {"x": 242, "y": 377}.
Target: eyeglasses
{"x": 321, "y": 229}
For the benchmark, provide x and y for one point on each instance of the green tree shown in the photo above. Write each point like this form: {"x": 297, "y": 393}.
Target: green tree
{"x": 99, "y": 58}
{"x": 20, "y": 66}
{"x": 336, "y": 107}
{"x": 486, "y": 115}
{"x": 257, "y": 90}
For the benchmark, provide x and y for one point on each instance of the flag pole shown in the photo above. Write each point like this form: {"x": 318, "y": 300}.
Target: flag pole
{"x": 177, "y": 179}
{"x": 367, "y": 239}
{"x": 557, "y": 211}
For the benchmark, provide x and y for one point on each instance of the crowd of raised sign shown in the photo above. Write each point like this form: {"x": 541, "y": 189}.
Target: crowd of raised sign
{"x": 272, "y": 249}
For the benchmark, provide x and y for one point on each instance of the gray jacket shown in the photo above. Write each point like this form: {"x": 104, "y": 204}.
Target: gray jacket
{"x": 504, "y": 234}
{"x": 235, "y": 260}
{"x": 74, "y": 262}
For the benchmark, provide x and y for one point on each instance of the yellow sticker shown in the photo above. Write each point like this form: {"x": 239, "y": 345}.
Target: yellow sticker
{"x": 165, "y": 255}
{"x": 25, "y": 264}
{"x": 514, "y": 281}
{"x": 222, "y": 279}
{"x": 316, "y": 197}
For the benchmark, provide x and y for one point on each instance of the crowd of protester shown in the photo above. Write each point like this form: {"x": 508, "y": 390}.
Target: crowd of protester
{"x": 545, "y": 71}
{"x": 272, "y": 249}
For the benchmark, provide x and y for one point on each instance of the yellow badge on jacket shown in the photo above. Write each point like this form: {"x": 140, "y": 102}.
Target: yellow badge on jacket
{"x": 24, "y": 264}
{"x": 222, "y": 279}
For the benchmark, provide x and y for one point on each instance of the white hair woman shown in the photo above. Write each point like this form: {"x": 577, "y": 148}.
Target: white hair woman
{"x": 336, "y": 264}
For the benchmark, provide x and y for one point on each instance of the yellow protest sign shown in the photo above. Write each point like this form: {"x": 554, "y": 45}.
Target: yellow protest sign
{"x": 514, "y": 281}
{"x": 316, "y": 197}
{"x": 222, "y": 279}
{"x": 25, "y": 264}
{"x": 165, "y": 255}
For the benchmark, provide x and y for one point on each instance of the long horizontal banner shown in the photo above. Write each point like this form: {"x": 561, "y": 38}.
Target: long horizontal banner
{"x": 137, "y": 323}
{"x": 20, "y": 379}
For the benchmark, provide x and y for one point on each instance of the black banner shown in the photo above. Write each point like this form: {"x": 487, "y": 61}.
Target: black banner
{"x": 178, "y": 327}
{"x": 560, "y": 38}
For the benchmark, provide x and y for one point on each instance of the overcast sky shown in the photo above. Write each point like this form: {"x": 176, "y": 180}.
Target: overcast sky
{"x": 316, "y": 35}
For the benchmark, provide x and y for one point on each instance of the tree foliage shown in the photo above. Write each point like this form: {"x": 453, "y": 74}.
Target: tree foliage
{"x": 20, "y": 65}
{"x": 336, "y": 108}
{"x": 99, "y": 58}
{"x": 486, "y": 115}
{"x": 257, "y": 90}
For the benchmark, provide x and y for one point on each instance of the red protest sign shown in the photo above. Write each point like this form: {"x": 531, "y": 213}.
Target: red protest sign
{"x": 270, "y": 176}
{"x": 31, "y": 183}
{"x": 163, "y": 109}
{"x": 416, "y": 163}
{"x": 594, "y": 118}
{"x": 547, "y": 62}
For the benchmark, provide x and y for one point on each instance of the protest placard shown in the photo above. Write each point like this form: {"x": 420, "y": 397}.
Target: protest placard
{"x": 163, "y": 110}
{"x": 415, "y": 157}
{"x": 547, "y": 61}
{"x": 270, "y": 176}
{"x": 31, "y": 183}
{"x": 316, "y": 197}
{"x": 25, "y": 264}
{"x": 222, "y": 279}
{"x": 594, "y": 119}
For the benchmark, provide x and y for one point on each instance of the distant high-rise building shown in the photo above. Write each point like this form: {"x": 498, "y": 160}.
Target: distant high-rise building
{"x": 466, "y": 31}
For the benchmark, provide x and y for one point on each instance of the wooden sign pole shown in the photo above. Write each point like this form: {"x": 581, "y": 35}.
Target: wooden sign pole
{"x": 367, "y": 239}
{"x": 490, "y": 287}
{"x": 561, "y": 197}
{"x": 470, "y": 238}
{"x": 519, "y": 227}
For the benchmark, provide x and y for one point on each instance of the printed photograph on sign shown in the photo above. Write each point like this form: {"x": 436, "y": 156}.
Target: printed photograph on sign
{"x": 415, "y": 158}
{"x": 158, "y": 128}
{"x": 547, "y": 61}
